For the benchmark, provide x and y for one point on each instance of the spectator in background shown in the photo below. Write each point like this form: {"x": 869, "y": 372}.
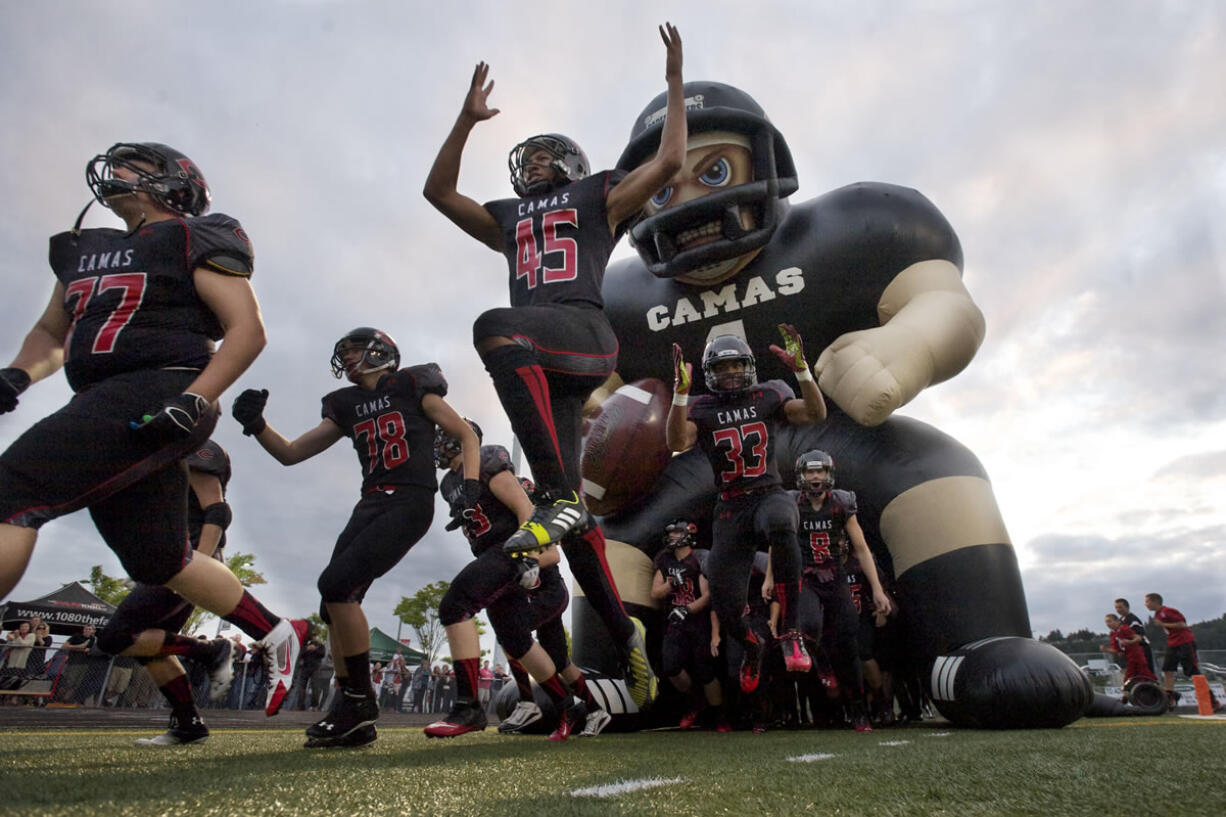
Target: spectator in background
{"x": 485, "y": 679}
{"x": 419, "y": 684}
{"x": 1180, "y": 647}
{"x": 400, "y": 680}
{"x": 77, "y": 683}
{"x": 1124, "y": 611}
{"x": 321, "y": 680}
{"x": 312, "y": 655}
{"x": 37, "y": 664}
{"x": 19, "y": 644}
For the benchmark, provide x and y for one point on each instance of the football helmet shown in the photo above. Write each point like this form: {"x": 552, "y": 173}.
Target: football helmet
{"x": 379, "y": 352}
{"x": 682, "y": 526}
{"x": 569, "y": 162}
{"x": 171, "y": 178}
{"x": 728, "y": 347}
{"x": 713, "y": 106}
{"x": 813, "y": 461}
{"x": 447, "y": 447}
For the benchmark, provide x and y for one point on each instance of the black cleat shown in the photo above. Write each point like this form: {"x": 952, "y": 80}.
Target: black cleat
{"x": 549, "y": 523}
{"x": 179, "y": 734}
{"x": 362, "y": 736}
{"x": 348, "y": 715}
{"x": 463, "y": 717}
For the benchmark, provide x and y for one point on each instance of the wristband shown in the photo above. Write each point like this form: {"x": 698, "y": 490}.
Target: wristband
{"x": 804, "y": 376}
{"x": 680, "y": 399}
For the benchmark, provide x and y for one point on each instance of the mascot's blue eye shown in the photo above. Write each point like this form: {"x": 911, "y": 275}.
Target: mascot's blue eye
{"x": 717, "y": 175}
{"x": 661, "y": 198}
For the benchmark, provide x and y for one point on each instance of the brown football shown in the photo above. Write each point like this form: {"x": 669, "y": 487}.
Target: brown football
{"x": 624, "y": 450}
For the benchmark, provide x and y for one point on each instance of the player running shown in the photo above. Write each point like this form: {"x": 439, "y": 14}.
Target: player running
{"x": 390, "y": 415}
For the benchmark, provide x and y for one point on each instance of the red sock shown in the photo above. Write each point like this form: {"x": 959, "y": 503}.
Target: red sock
{"x": 252, "y": 618}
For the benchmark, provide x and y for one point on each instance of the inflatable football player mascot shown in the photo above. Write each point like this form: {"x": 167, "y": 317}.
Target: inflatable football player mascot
{"x": 871, "y": 276}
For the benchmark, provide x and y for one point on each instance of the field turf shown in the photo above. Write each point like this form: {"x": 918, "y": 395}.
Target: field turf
{"x": 1167, "y": 765}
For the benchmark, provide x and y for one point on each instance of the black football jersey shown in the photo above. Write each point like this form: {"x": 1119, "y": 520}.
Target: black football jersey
{"x": 131, "y": 297}
{"x": 491, "y": 523}
{"x": 821, "y": 531}
{"x": 558, "y": 243}
{"x": 737, "y": 433}
{"x": 209, "y": 458}
{"x": 392, "y": 435}
{"x": 683, "y": 576}
{"x": 824, "y": 271}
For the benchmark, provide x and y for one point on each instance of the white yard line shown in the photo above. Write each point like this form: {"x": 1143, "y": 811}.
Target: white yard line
{"x": 625, "y": 787}
{"x": 894, "y": 743}
{"x": 810, "y": 758}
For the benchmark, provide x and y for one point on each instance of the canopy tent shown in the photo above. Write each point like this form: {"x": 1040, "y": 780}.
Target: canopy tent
{"x": 383, "y": 647}
{"x": 66, "y": 610}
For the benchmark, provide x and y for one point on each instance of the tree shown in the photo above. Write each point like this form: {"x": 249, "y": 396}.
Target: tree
{"x": 108, "y": 588}
{"x": 420, "y": 612}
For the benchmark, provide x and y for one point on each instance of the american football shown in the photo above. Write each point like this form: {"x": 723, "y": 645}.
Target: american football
{"x": 624, "y": 450}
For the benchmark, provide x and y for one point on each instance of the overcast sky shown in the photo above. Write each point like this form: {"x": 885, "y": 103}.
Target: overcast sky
{"x": 1078, "y": 148}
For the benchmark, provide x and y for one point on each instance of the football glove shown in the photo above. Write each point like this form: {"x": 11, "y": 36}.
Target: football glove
{"x": 248, "y": 409}
{"x": 176, "y": 419}
{"x": 793, "y": 352}
{"x": 12, "y": 383}
{"x": 529, "y": 572}
{"x": 678, "y": 614}
{"x": 681, "y": 372}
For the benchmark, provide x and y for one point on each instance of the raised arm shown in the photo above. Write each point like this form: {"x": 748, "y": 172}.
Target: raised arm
{"x": 628, "y": 197}
{"x": 680, "y": 434}
{"x": 440, "y": 189}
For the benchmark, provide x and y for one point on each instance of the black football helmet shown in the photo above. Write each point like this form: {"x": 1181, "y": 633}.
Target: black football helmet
{"x": 683, "y": 526}
{"x": 813, "y": 461}
{"x": 174, "y": 181}
{"x": 379, "y": 352}
{"x": 713, "y": 106}
{"x": 446, "y": 447}
{"x": 728, "y": 347}
{"x": 569, "y": 162}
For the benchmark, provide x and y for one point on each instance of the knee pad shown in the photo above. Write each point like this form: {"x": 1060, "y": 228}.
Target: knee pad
{"x": 453, "y": 608}
{"x": 113, "y": 640}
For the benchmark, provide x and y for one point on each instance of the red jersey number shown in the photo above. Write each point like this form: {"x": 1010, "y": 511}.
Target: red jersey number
{"x": 529, "y": 256}
{"x": 745, "y": 449}
{"x": 80, "y": 292}
{"x": 384, "y": 432}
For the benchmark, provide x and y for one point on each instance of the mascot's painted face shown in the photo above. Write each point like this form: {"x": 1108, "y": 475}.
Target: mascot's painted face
{"x": 714, "y": 161}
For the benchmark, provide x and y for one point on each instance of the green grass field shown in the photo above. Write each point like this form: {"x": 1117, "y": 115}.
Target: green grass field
{"x": 1084, "y": 769}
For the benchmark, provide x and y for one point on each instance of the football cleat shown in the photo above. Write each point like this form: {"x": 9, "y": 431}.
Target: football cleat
{"x": 348, "y": 715}
{"x": 221, "y": 671}
{"x": 284, "y": 645}
{"x": 641, "y": 680}
{"x": 690, "y": 718}
{"x": 723, "y": 727}
{"x": 462, "y": 718}
{"x": 572, "y": 717}
{"x": 795, "y": 656}
{"x": 524, "y": 714}
{"x": 751, "y": 664}
{"x": 861, "y": 724}
{"x": 179, "y": 734}
{"x": 548, "y": 524}
{"x": 597, "y": 720}
{"x": 362, "y": 736}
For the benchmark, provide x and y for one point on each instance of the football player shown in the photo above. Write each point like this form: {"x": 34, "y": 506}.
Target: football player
{"x": 387, "y": 412}
{"x": 147, "y": 622}
{"x": 736, "y": 425}
{"x": 554, "y": 346}
{"x": 871, "y": 274}
{"x": 1126, "y": 642}
{"x": 827, "y": 515}
{"x": 501, "y": 585}
{"x": 686, "y": 650}
{"x": 133, "y": 319}
{"x": 872, "y": 637}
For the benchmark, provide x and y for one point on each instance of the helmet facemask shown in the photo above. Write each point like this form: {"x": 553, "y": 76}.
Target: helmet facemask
{"x": 569, "y": 163}
{"x": 166, "y": 175}
{"x": 379, "y": 353}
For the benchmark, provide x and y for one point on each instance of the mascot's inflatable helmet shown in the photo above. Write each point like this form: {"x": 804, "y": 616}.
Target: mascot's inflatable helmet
{"x": 713, "y": 106}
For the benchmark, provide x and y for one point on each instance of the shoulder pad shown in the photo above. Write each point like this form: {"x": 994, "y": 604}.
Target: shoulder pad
{"x": 494, "y": 460}
{"x": 210, "y": 458}
{"x": 219, "y": 243}
{"x": 782, "y": 388}
{"x": 845, "y": 499}
{"x": 427, "y": 378}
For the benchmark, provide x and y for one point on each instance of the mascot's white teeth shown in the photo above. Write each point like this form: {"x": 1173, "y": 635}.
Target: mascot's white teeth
{"x": 698, "y": 235}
